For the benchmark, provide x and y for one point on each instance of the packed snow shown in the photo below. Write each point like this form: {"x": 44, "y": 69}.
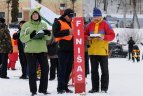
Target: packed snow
{"x": 125, "y": 80}
{"x": 126, "y": 77}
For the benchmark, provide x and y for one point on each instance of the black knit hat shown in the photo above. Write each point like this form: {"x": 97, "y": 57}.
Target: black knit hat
{"x": 2, "y": 20}
{"x": 69, "y": 12}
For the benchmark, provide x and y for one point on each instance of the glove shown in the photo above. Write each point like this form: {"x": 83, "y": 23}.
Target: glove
{"x": 32, "y": 35}
{"x": 47, "y": 32}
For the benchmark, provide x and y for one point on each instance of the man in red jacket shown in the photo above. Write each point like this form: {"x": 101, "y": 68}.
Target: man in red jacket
{"x": 98, "y": 33}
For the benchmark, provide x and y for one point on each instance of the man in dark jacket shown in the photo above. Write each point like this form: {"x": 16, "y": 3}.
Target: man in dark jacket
{"x": 131, "y": 43}
{"x": 22, "y": 56}
{"x": 5, "y": 47}
{"x": 63, "y": 32}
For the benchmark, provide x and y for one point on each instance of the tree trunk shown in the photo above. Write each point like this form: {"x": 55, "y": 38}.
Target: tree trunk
{"x": 73, "y": 2}
{"x": 135, "y": 17}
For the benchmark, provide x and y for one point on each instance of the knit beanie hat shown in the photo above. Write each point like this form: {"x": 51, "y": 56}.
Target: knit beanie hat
{"x": 96, "y": 12}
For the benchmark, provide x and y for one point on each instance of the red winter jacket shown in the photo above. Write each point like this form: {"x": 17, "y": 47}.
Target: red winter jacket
{"x": 97, "y": 46}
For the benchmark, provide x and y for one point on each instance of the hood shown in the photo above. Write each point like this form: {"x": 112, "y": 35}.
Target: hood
{"x": 32, "y": 11}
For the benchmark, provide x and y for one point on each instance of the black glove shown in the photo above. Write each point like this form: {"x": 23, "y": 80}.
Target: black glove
{"x": 33, "y": 34}
{"x": 47, "y": 32}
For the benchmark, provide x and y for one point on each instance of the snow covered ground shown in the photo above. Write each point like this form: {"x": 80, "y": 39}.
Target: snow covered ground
{"x": 126, "y": 79}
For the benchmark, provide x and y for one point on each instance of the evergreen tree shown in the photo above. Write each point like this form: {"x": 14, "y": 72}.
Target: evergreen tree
{"x": 14, "y": 10}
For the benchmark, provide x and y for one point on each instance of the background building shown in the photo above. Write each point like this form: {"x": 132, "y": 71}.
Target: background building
{"x": 24, "y": 7}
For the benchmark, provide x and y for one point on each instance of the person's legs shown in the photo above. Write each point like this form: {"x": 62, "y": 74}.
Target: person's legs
{"x": 0, "y": 64}
{"x": 56, "y": 64}
{"x": 14, "y": 59}
{"x": 13, "y": 63}
{"x": 4, "y": 61}
{"x": 94, "y": 73}
{"x": 23, "y": 63}
{"x": 105, "y": 73}
{"x": 31, "y": 61}
{"x": 86, "y": 64}
{"x": 129, "y": 55}
{"x": 0, "y": 59}
{"x": 42, "y": 59}
{"x": 63, "y": 61}
{"x": 133, "y": 56}
{"x": 68, "y": 70}
{"x": 53, "y": 62}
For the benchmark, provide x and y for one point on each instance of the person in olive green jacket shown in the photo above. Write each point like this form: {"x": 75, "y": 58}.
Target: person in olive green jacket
{"x": 34, "y": 34}
{"x": 5, "y": 48}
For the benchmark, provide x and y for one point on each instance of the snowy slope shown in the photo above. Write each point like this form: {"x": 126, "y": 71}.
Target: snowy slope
{"x": 125, "y": 80}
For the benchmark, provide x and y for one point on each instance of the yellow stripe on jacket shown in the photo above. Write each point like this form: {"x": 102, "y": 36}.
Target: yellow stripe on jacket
{"x": 97, "y": 46}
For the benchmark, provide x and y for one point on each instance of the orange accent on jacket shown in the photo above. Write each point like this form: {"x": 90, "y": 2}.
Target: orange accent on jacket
{"x": 64, "y": 26}
{"x": 14, "y": 45}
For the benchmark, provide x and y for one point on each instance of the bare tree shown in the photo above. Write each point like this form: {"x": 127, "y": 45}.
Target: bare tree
{"x": 126, "y": 33}
{"x": 73, "y": 2}
{"x": 135, "y": 17}
{"x": 105, "y": 5}
{"x": 125, "y": 11}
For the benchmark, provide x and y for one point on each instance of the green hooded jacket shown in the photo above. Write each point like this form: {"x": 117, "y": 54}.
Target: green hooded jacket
{"x": 33, "y": 45}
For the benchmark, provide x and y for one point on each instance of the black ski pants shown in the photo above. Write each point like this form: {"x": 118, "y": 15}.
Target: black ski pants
{"x": 32, "y": 64}
{"x": 23, "y": 62}
{"x": 103, "y": 61}
{"x": 4, "y": 62}
{"x": 64, "y": 69}
{"x": 54, "y": 65}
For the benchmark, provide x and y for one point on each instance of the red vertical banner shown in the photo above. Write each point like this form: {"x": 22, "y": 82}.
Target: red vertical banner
{"x": 79, "y": 66}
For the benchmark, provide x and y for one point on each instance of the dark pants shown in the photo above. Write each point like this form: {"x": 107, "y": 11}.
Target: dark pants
{"x": 23, "y": 62}
{"x": 54, "y": 65}
{"x": 64, "y": 69}
{"x": 103, "y": 61}
{"x": 4, "y": 62}
{"x": 86, "y": 64}
{"x": 0, "y": 61}
{"x": 130, "y": 55}
{"x": 31, "y": 61}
